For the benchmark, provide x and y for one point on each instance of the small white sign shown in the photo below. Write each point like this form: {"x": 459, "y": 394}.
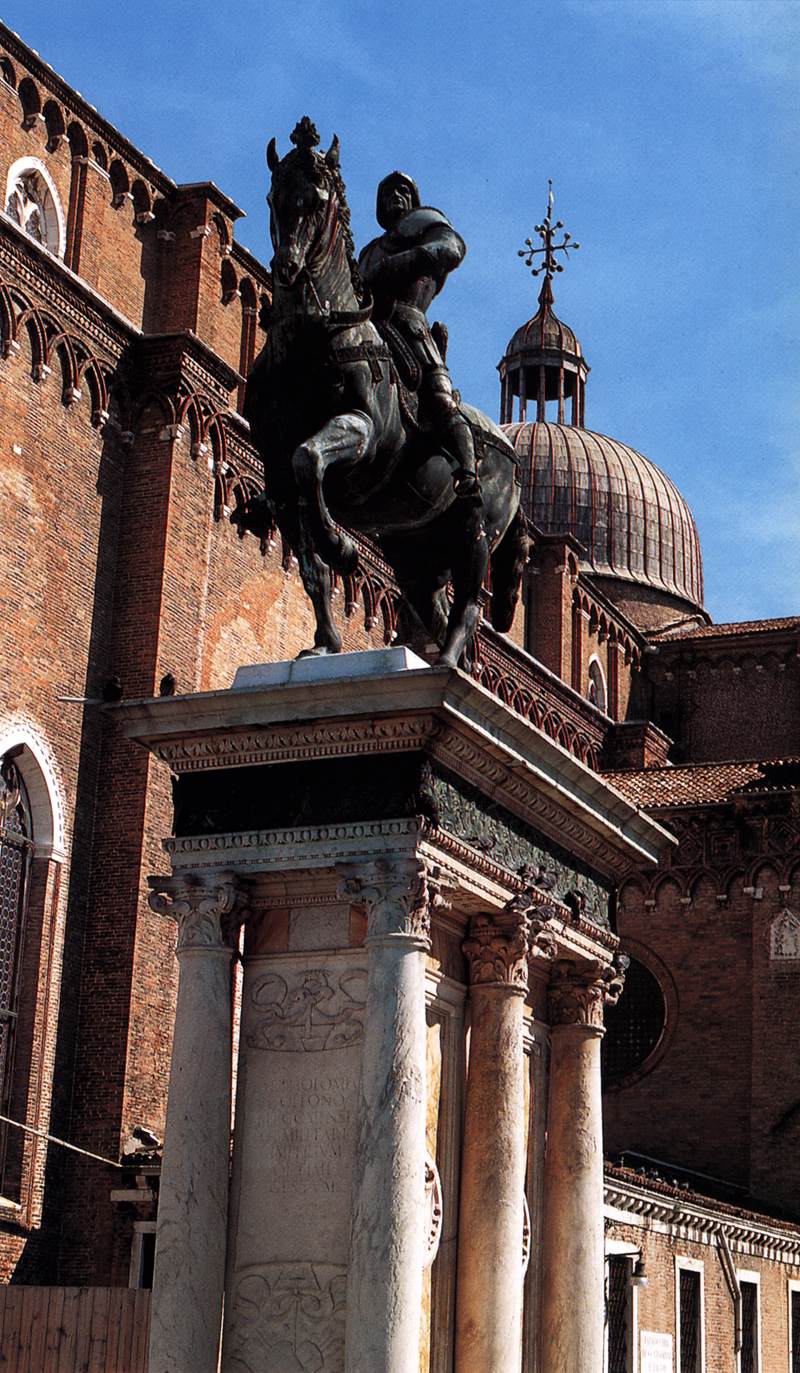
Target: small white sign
{"x": 656, "y": 1352}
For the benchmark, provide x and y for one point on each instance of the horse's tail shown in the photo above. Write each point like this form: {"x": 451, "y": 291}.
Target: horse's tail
{"x": 508, "y": 561}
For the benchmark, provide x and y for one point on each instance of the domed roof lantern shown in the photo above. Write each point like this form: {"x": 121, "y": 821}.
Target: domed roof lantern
{"x": 544, "y": 360}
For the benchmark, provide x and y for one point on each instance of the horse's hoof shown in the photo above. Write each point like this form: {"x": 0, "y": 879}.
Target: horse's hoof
{"x": 320, "y": 652}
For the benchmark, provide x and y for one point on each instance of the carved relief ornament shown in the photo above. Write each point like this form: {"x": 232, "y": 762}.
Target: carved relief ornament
{"x": 208, "y": 907}
{"x": 578, "y": 994}
{"x": 397, "y": 895}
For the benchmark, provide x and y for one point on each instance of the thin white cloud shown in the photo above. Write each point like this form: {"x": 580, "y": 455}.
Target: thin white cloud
{"x": 762, "y": 36}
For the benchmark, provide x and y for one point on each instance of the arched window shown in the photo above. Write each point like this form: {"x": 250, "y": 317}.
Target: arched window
{"x": 16, "y": 854}
{"x": 597, "y": 693}
{"x": 32, "y": 201}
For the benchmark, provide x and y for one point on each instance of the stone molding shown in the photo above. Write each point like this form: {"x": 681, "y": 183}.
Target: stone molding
{"x": 208, "y": 908}
{"x": 578, "y": 995}
{"x": 498, "y": 948}
{"x": 397, "y": 894}
{"x": 293, "y": 847}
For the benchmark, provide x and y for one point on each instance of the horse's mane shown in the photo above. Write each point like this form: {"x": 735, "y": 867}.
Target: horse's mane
{"x": 347, "y": 233}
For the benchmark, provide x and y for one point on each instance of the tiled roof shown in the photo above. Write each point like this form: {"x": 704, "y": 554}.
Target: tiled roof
{"x": 740, "y": 627}
{"x": 704, "y": 784}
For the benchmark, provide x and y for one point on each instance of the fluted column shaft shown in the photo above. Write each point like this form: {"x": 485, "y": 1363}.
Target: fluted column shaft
{"x": 384, "y": 1283}
{"x": 490, "y": 1256}
{"x": 573, "y": 1276}
{"x": 189, "y": 1275}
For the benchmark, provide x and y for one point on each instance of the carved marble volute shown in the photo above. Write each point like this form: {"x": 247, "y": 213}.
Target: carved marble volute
{"x": 578, "y": 994}
{"x": 397, "y": 895}
{"x": 208, "y": 907}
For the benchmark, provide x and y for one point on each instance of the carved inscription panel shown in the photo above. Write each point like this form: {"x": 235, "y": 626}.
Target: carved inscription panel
{"x": 295, "y": 1136}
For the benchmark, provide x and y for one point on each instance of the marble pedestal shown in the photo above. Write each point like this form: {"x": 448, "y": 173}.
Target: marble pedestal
{"x": 368, "y": 813}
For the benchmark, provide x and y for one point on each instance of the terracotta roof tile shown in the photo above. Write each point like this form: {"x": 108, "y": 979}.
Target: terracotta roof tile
{"x": 704, "y": 784}
{"x": 740, "y": 627}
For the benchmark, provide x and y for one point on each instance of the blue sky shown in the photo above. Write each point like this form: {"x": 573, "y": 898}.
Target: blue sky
{"x": 670, "y": 128}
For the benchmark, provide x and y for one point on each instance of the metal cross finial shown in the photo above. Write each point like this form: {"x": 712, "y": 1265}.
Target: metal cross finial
{"x": 547, "y": 231}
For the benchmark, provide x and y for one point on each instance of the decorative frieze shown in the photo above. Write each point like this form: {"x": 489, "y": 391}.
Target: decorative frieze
{"x": 578, "y": 994}
{"x": 208, "y": 907}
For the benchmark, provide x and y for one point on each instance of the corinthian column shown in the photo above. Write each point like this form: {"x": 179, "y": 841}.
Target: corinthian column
{"x": 193, "y": 1196}
{"x": 384, "y": 1283}
{"x": 572, "y": 1279}
{"x": 490, "y": 1257}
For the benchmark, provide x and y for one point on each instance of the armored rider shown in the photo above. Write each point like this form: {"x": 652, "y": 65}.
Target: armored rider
{"x": 405, "y": 269}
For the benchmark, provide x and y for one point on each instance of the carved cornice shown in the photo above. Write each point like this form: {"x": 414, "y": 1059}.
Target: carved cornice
{"x": 397, "y": 894}
{"x": 579, "y": 995}
{"x": 498, "y": 947}
{"x": 297, "y": 743}
{"x": 208, "y": 907}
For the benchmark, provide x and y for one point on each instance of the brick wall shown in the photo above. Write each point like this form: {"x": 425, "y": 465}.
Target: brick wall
{"x": 663, "y": 1247}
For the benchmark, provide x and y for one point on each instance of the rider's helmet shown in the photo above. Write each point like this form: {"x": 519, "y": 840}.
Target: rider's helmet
{"x": 388, "y": 184}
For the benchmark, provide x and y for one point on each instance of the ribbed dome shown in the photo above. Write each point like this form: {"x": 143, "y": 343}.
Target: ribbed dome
{"x": 545, "y": 330}
{"x": 629, "y": 516}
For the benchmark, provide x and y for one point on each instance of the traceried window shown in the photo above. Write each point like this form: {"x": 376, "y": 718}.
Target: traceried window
{"x": 32, "y": 201}
{"x": 634, "y": 1026}
{"x": 16, "y": 851}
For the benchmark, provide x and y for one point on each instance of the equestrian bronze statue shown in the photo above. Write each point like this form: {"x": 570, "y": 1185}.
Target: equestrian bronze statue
{"x": 352, "y": 410}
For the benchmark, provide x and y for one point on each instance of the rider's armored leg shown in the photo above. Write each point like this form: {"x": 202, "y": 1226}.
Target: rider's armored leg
{"x": 455, "y": 427}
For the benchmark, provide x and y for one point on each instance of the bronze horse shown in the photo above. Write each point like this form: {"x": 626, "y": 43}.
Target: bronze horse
{"x": 340, "y": 450}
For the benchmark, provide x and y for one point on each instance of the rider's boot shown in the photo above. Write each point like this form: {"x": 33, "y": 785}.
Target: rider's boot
{"x": 465, "y": 476}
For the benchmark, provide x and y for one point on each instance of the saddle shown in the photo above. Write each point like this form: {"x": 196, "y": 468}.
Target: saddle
{"x": 406, "y": 375}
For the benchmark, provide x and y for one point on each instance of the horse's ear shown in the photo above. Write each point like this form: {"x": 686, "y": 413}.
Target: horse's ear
{"x": 272, "y": 155}
{"x": 332, "y": 155}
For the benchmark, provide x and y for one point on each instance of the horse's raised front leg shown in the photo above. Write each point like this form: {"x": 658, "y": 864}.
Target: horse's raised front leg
{"x": 345, "y": 438}
{"x": 470, "y": 566}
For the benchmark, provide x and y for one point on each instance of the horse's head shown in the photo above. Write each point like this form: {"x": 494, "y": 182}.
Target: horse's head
{"x": 300, "y": 199}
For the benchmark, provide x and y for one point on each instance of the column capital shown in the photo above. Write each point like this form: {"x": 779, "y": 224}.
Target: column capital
{"x": 498, "y": 947}
{"x": 208, "y": 907}
{"x": 579, "y": 993}
{"x": 397, "y": 893}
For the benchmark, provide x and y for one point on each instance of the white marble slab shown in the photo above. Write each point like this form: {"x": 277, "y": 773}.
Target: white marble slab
{"x": 371, "y": 662}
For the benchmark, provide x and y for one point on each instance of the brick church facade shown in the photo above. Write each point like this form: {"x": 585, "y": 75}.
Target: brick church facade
{"x": 129, "y": 317}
